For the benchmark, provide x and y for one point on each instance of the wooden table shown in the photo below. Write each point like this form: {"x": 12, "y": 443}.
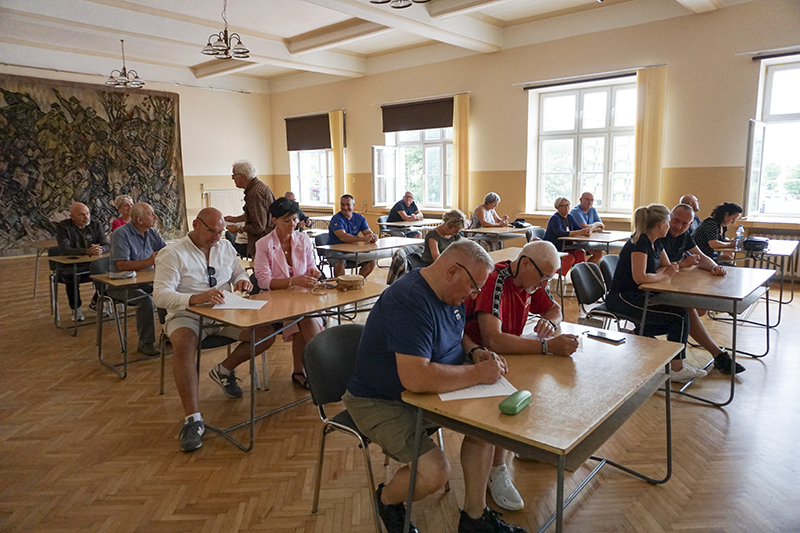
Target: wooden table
{"x": 142, "y": 277}
{"x": 781, "y": 250}
{"x": 290, "y": 305}
{"x": 62, "y": 261}
{"x": 355, "y": 248}
{"x": 600, "y": 238}
{"x": 732, "y": 293}
{"x": 498, "y": 234}
{"x": 578, "y": 403}
{"x": 41, "y": 248}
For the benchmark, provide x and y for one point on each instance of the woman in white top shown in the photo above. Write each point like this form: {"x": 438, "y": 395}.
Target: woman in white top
{"x": 485, "y": 215}
{"x": 284, "y": 259}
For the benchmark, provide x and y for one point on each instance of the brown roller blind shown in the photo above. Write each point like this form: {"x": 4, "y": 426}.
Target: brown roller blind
{"x": 308, "y": 133}
{"x": 418, "y": 115}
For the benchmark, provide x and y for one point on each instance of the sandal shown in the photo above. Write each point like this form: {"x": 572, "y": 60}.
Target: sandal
{"x": 301, "y": 380}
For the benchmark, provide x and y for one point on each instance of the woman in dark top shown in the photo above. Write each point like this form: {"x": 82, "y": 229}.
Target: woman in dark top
{"x": 710, "y": 234}
{"x": 643, "y": 260}
{"x": 439, "y": 238}
{"x": 562, "y": 224}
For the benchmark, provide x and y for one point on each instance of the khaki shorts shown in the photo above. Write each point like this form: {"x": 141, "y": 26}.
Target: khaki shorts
{"x": 390, "y": 424}
{"x": 185, "y": 319}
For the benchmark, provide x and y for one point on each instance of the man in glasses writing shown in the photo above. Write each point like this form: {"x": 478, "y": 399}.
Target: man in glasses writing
{"x": 496, "y": 319}
{"x": 195, "y": 271}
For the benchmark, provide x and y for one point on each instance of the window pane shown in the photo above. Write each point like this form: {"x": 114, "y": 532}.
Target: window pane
{"x": 622, "y": 172}
{"x": 408, "y": 136}
{"x": 385, "y": 168}
{"x": 557, "y": 168}
{"x": 594, "y": 109}
{"x": 433, "y": 175}
{"x": 448, "y": 133}
{"x": 433, "y": 135}
{"x": 559, "y": 113}
{"x": 412, "y": 167}
{"x": 625, "y": 108}
{"x": 785, "y": 97}
{"x": 780, "y": 177}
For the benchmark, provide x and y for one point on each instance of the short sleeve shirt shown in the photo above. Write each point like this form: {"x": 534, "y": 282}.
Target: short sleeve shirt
{"x": 676, "y": 247}
{"x": 559, "y": 227}
{"x": 409, "y": 319}
{"x": 709, "y": 230}
{"x": 128, "y": 244}
{"x": 590, "y": 217}
{"x": 352, "y": 226}
{"x": 503, "y": 299}
{"x": 394, "y": 214}
{"x": 623, "y": 276}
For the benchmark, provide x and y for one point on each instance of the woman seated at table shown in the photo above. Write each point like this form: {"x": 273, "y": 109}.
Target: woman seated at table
{"x": 710, "y": 234}
{"x": 643, "y": 260}
{"x": 123, "y": 203}
{"x": 284, "y": 259}
{"x": 439, "y": 238}
{"x": 485, "y": 216}
{"x": 562, "y": 224}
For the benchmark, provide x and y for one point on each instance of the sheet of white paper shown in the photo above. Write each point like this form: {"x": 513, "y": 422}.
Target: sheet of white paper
{"x": 501, "y": 388}
{"x": 233, "y": 301}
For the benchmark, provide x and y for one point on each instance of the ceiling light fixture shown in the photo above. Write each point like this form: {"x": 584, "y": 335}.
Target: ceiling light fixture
{"x": 399, "y": 4}
{"x": 221, "y": 49}
{"x": 124, "y": 78}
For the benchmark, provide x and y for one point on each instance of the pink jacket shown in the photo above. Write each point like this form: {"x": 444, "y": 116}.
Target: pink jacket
{"x": 270, "y": 263}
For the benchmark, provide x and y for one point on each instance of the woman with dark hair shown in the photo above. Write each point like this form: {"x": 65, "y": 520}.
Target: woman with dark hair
{"x": 285, "y": 259}
{"x": 710, "y": 234}
{"x": 643, "y": 260}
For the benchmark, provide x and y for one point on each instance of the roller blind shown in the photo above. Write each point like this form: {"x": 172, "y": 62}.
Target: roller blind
{"x": 418, "y": 115}
{"x": 308, "y": 133}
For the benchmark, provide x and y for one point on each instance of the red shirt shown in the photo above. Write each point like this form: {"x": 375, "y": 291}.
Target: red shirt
{"x": 503, "y": 299}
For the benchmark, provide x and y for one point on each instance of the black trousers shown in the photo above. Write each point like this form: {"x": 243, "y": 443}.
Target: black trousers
{"x": 666, "y": 320}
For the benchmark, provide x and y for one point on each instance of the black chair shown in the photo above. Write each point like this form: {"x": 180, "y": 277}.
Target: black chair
{"x": 534, "y": 233}
{"x": 608, "y": 265}
{"x": 383, "y": 228}
{"x": 589, "y": 289}
{"x": 323, "y": 255}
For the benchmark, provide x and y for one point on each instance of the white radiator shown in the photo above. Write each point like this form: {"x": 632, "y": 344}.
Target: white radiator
{"x": 791, "y": 262}
{"x": 229, "y": 201}
{"x": 318, "y": 212}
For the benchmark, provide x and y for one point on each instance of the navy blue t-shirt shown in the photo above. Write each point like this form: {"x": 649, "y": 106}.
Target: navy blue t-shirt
{"x": 623, "y": 276}
{"x": 676, "y": 247}
{"x": 394, "y": 214}
{"x": 352, "y": 226}
{"x": 409, "y": 319}
{"x": 559, "y": 227}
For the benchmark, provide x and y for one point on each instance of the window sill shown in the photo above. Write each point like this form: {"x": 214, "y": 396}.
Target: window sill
{"x": 607, "y": 217}
{"x": 763, "y": 222}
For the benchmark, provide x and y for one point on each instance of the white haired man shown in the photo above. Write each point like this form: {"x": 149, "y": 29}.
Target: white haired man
{"x": 257, "y": 199}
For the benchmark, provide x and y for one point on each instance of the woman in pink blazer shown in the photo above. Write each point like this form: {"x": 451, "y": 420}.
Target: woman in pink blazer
{"x": 284, "y": 259}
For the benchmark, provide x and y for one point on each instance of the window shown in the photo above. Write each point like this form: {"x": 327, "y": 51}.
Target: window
{"x": 420, "y": 161}
{"x": 773, "y": 163}
{"x": 312, "y": 176}
{"x": 583, "y": 140}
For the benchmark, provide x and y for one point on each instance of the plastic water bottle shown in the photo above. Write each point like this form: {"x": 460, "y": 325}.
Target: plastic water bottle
{"x": 739, "y": 237}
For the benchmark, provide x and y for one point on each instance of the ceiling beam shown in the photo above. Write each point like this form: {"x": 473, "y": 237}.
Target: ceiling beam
{"x": 334, "y": 35}
{"x": 449, "y": 8}
{"x": 219, "y": 67}
{"x": 464, "y": 32}
{"x": 700, "y": 6}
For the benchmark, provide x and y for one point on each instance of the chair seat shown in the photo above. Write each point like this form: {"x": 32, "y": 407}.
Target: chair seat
{"x": 602, "y": 309}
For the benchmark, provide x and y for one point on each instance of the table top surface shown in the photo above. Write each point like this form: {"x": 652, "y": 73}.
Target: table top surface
{"x": 142, "y": 276}
{"x": 413, "y": 223}
{"x": 499, "y": 231}
{"x": 288, "y": 303}
{"x": 363, "y": 247}
{"x": 778, "y": 247}
{"x": 321, "y": 218}
{"x": 571, "y": 396}
{"x": 511, "y": 253}
{"x": 737, "y": 284}
{"x": 600, "y": 236}
{"x": 74, "y": 259}
{"x": 43, "y": 245}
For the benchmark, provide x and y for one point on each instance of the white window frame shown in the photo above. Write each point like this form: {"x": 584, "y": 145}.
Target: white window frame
{"x": 395, "y": 185}
{"x": 301, "y": 185}
{"x": 537, "y": 137}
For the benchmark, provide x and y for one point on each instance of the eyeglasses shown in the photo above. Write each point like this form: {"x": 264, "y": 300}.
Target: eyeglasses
{"x": 544, "y": 279}
{"x": 563, "y": 205}
{"x": 212, "y": 281}
{"x": 477, "y": 290}
{"x": 220, "y": 233}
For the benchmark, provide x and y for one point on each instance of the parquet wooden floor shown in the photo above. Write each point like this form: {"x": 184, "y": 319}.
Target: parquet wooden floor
{"x": 81, "y": 450}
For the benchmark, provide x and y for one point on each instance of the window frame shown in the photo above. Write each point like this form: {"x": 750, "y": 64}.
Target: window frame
{"x": 296, "y": 164}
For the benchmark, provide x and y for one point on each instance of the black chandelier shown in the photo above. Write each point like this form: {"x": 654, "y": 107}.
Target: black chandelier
{"x": 222, "y": 49}
{"x": 399, "y": 4}
{"x": 124, "y": 78}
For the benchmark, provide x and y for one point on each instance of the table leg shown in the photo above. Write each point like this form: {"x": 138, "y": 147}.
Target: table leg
{"x": 560, "y": 494}
{"x": 39, "y": 252}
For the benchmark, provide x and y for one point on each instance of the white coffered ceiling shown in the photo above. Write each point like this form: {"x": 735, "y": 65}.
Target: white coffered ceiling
{"x": 293, "y": 42}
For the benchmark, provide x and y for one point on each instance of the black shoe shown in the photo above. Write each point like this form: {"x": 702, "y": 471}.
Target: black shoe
{"x": 149, "y": 350}
{"x": 192, "y": 435}
{"x": 722, "y": 362}
{"x": 488, "y": 523}
{"x": 226, "y": 381}
{"x": 393, "y": 516}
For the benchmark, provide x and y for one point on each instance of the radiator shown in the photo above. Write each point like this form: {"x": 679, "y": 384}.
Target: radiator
{"x": 318, "y": 212}
{"x": 790, "y": 261}
{"x": 229, "y": 201}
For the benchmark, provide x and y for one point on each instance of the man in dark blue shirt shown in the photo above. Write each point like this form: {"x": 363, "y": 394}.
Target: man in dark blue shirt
{"x": 414, "y": 340}
{"x": 405, "y": 210}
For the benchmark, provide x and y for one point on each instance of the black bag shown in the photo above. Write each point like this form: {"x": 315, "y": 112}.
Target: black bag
{"x": 755, "y": 244}
{"x": 520, "y": 223}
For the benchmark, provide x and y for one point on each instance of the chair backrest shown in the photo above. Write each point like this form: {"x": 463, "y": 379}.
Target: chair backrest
{"x": 52, "y": 252}
{"x": 230, "y": 236}
{"x": 587, "y": 282}
{"x": 99, "y": 266}
{"x": 608, "y": 265}
{"x": 330, "y": 360}
{"x": 321, "y": 240}
{"x": 535, "y": 233}
{"x": 381, "y": 224}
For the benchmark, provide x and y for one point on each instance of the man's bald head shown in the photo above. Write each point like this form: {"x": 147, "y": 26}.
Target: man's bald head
{"x": 207, "y": 228}
{"x": 691, "y": 201}
{"x": 79, "y": 214}
{"x": 210, "y": 214}
{"x": 459, "y": 272}
{"x": 143, "y": 216}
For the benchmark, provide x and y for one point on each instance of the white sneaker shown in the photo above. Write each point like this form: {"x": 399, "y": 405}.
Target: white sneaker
{"x": 502, "y": 489}
{"x": 687, "y": 373}
{"x": 77, "y": 315}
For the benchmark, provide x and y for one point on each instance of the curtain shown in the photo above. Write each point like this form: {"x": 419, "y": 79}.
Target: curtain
{"x": 651, "y": 96}
{"x": 336, "y": 121}
{"x": 460, "y": 181}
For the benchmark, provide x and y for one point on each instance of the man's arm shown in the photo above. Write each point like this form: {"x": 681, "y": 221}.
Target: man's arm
{"x": 234, "y": 219}
{"x": 497, "y": 341}
{"x": 137, "y": 265}
{"x": 706, "y": 263}
{"x": 418, "y": 374}
{"x": 346, "y": 237}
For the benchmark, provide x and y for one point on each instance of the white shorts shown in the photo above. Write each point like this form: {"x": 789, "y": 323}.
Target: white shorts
{"x": 185, "y": 319}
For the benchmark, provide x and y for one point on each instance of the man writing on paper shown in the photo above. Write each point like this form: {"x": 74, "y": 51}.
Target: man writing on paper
{"x": 135, "y": 246}
{"x": 195, "y": 271}
{"x": 425, "y": 355}
{"x": 496, "y": 319}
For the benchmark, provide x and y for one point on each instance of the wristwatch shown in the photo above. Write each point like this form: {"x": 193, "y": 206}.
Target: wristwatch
{"x": 544, "y": 346}
{"x": 469, "y": 354}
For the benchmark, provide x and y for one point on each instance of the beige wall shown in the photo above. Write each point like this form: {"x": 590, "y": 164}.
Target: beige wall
{"x": 711, "y": 94}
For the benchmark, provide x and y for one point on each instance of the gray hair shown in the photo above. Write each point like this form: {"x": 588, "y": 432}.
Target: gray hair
{"x": 560, "y": 199}
{"x": 119, "y": 200}
{"x": 138, "y": 210}
{"x": 470, "y": 250}
{"x": 542, "y": 253}
{"x": 683, "y": 206}
{"x": 491, "y": 197}
{"x": 455, "y": 219}
{"x": 245, "y": 168}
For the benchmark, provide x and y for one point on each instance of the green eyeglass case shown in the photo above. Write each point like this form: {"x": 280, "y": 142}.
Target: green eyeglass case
{"x": 516, "y": 402}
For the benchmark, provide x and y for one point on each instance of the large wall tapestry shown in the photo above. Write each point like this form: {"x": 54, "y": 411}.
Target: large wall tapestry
{"x": 63, "y": 142}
